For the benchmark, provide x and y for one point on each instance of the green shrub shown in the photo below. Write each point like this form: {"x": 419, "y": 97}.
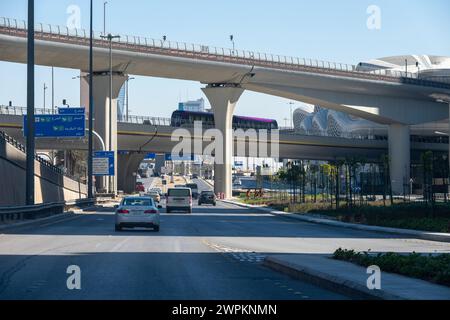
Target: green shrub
{"x": 433, "y": 268}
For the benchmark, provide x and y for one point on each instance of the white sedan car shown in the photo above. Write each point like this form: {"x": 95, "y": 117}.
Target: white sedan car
{"x": 134, "y": 212}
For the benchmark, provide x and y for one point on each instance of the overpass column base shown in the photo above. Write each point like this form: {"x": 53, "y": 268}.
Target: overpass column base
{"x": 128, "y": 165}
{"x": 160, "y": 161}
{"x": 223, "y": 101}
{"x": 399, "y": 157}
{"x": 102, "y": 115}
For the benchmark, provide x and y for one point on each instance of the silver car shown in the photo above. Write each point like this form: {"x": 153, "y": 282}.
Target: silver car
{"x": 137, "y": 212}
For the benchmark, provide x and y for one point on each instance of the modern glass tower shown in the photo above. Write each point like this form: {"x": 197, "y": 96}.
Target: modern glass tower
{"x": 121, "y": 104}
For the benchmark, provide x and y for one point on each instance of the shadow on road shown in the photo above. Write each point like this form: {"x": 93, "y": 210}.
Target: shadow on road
{"x": 204, "y": 222}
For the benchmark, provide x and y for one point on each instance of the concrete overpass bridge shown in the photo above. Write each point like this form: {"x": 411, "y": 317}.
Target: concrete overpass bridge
{"x": 146, "y": 134}
{"x": 397, "y": 99}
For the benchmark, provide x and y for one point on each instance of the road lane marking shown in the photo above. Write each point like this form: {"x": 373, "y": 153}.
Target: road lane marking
{"x": 241, "y": 255}
{"x": 120, "y": 244}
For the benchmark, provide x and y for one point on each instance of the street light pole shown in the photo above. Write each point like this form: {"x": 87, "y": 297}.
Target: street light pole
{"x": 53, "y": 90}
{"x": 45, "y": 88}
{"x": 110, "y": 38}
{"x": 91, "y": 112}
{"x": 104, "y": 17}
{"x": 232, "y": 41}
{"x": 29, "y": 185}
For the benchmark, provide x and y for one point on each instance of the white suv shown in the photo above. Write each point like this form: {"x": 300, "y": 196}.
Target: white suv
{"x": 179, "y": 199}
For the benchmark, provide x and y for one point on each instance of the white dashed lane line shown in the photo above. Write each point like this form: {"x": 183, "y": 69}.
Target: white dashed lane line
{"x": 241, "y": 255}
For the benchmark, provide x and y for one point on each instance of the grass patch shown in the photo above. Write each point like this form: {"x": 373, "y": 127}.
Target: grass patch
{"x": 433, "y": 268}
{"x": 415, "y": 216}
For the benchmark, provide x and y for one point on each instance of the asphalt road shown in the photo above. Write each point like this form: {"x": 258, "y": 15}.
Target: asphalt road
{"x": 215, "y": 253}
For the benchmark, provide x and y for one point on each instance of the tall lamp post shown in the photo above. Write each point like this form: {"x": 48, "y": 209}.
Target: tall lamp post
{"x": 104, "y": 17}
{"x": 53, "y": 90}
{"x": 29, "y": 184}
{"x": 110, "y": 38}
{"x": 91, "y": 111}
{"x": 232, "y": 41}
{"x": 129, "y": 79}
{"x": 45, "y": 89}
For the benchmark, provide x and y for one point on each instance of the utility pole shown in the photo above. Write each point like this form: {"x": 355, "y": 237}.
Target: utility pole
{"x": 91, "y": 111}
{"x": 29, "y": 187}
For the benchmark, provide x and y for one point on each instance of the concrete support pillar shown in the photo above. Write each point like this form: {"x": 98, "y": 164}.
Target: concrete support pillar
{"x": 399, "y": 157}
{"x": 223, "y": 101}
{"x": 160, "y": 161}
{"x": 102, "y": 115}
{"x": 128, "y": 165}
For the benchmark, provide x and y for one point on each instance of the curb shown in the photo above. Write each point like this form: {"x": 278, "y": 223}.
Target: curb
{"x": 328, "y": 281}
{"x": 424, "y": 235}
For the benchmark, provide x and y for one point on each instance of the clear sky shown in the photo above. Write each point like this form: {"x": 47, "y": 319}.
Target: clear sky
{"x": 323, "y": 29}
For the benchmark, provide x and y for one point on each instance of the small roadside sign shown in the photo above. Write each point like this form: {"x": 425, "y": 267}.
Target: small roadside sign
{"x": 103, "y": 163}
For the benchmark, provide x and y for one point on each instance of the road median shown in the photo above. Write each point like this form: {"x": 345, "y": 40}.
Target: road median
{"x": 424, "y": 235}
{"x": 349, "y": 279}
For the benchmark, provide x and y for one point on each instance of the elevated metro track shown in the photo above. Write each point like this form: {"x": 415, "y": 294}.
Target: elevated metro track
{"x": 144, "y": 138}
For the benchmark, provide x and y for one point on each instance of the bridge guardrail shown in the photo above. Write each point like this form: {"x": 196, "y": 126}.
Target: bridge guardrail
{"x": 12, "y": 213}
{"x": 204, "y": 52}
{"x": 44, "y": 162}
{"x": 30, "y": 212}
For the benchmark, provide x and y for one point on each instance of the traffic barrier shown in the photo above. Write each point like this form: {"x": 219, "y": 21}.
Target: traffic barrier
{"x": 13, "y": 213}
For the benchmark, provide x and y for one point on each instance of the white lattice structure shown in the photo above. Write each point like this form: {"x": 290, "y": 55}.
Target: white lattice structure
{"x": 320, "y": 121}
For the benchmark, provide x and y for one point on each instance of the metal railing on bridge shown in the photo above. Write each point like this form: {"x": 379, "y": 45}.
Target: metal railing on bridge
{"x": 155, "y": 121}
{"x": 203, "y": 52}
{"x": 21, "y": 111}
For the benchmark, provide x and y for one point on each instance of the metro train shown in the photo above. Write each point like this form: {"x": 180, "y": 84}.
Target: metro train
{"x": 187, "y": 118}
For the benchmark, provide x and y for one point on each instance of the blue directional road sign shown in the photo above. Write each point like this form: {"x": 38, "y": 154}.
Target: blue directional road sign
{"x": 71, "y": 111}
{"x": 58, "y": 126}
{"x": 170, "y": 157}
{"x": 103, "y": 163}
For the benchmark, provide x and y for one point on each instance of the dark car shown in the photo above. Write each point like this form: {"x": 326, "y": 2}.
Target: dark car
{"x": 140, "y": 187}
{"x": 207, "y": 197}
{"x": 194, "y": 188}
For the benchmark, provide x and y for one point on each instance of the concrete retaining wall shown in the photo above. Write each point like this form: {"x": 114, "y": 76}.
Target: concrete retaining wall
{"x": 50, "y": 186}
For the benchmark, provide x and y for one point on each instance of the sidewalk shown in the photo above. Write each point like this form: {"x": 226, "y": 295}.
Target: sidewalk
{"x": 425, "y": 235}
{"x": 350, "y": 279}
